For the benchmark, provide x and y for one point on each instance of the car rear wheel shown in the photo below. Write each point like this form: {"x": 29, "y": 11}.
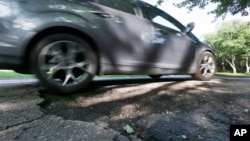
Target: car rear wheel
{"x": 206, "y": 67}
{"x": 64, "y": 62}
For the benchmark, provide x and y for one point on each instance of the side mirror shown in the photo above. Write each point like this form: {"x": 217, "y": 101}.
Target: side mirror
{"x": 189, "y": 27}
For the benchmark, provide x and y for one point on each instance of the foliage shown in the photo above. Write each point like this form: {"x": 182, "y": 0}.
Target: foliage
{"x": 231, "y": 43}
{"x": 223, "y": 6}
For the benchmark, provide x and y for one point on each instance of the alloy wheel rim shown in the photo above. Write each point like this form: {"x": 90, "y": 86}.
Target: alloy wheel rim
{"x": 207, "y": 66}
{"x": 64, "y": 63}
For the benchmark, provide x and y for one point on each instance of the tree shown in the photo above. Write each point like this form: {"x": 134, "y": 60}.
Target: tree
{"x": 231, "y": 43}
{"x": 223, "y": 6}
{"x": 245, "y": 35}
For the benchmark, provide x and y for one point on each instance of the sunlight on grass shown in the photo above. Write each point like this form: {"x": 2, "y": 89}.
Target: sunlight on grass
{"x": 124, "y": 76}
{"x": 232, "y": 74}
{"x": 8, "y": 74}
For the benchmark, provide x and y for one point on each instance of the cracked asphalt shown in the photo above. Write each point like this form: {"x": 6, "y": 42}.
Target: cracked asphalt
{"x": 209, "y": 106}
{"x": 22, "y": 119}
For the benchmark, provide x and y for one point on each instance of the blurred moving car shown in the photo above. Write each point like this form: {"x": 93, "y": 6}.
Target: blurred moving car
{"x": 67, "y": 42}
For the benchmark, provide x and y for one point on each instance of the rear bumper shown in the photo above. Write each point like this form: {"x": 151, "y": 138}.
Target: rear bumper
{"x": 13, "y": 47}
{"x": 12, "y": 56}
{"x": 10, "y": 62}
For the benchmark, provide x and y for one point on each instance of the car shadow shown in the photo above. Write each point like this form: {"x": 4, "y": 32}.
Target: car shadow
{"x": 158, "y": 112}
{"x": 100, "y": 82}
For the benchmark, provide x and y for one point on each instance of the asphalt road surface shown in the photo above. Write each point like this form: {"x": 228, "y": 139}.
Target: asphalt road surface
{"x": 22, "y": 118}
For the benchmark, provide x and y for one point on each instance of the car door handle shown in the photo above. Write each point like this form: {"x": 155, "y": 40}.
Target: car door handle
{"x": 161, "y": 30}
{"x": 107, "y": 15}
{"x": 102, "y": 14}
{"x": 158, "y": 29}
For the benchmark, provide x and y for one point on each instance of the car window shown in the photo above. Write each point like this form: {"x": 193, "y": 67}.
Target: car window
{"x": 128, "y": 6}
{"x": 159, "y": 17}
{"x": 162, "y": 21}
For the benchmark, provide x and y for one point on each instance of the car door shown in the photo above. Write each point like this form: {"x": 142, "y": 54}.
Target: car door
{"x": 172, "y": 48}
{"x": 128, "y": 32}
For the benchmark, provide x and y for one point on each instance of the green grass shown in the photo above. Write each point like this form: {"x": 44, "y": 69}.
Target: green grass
{"x": 119, "y": 75}
{"x": 12, "y": 74}
{"x": 232, "y": 74}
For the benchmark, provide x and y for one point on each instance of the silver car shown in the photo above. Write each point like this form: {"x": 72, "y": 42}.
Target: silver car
{"x": 67, "y": 42}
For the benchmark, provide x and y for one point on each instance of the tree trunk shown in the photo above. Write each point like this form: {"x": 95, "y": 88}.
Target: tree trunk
{"x": 223, "y": 66}
{"x": 247, "y": 65}
{"x": 232, "y": 65}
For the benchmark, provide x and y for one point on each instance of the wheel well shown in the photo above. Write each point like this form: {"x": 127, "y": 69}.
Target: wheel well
{"x": 210, "y": 52}
{"x": 54, "y": 30}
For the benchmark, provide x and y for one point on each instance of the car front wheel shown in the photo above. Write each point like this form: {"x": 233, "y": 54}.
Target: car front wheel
{"x": 64, "y": 62}
{"x": 206, "y": 67}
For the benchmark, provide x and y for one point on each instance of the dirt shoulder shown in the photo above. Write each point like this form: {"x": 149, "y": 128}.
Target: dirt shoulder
{"x": 159, "y": 110}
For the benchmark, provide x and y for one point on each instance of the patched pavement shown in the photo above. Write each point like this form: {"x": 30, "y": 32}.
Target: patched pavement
{"x": 22, "y": 119}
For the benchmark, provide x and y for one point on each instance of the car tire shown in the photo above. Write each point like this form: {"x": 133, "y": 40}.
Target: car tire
{"x": 206, "y": 67}
{"x": 155, "y": 76}
{"x": 64, "y": 63}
